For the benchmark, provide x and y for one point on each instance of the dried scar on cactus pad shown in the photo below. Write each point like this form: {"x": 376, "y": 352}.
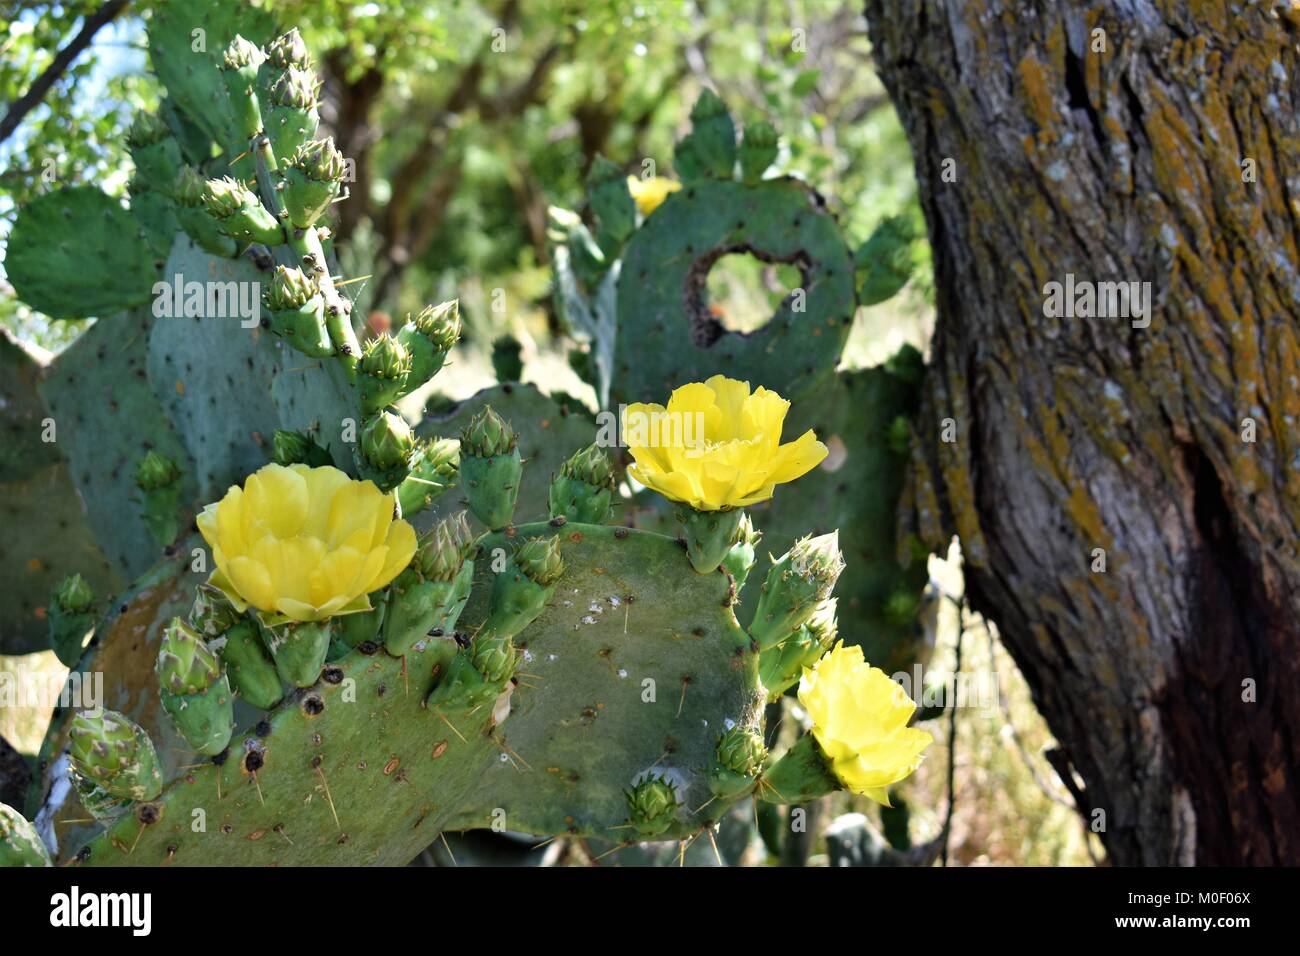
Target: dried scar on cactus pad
{"x": 716, "y": 445}
{"x": 308, "y": 543}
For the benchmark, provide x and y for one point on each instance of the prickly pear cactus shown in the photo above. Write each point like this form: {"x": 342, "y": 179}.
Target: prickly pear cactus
{"x": 636, "y": 299}
{"x": 308, "y": 679}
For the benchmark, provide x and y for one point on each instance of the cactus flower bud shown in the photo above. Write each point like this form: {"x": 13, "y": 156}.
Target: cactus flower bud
{"x": 72, "y": 619}
{"x": 521, "y": 591}
{"x": 757, "y": 150}
{"x": 239, "y": 68}
{"x": 490, "y": 468}
{"x": 797, "y": 581}
{"x": 145, "y": 130}
{"x": 156, "y": 471}
{"x": 385, "y": 449}
{"x": 212, "y": 614}
{"x": 187, "y": 189}
{"x": 194, "y": 691}
{"x": 114, "y": 753}
{"x": 20, "y": 844}
{"x": 712, "y": 139}
{"x": 249, "y": 667}
{"x": 435, "y": 466}
{"x": 74, "y": 595}
{"x": 298, "y": 648}
{"x": 709, "y": 535}
{"x": 293, "y": 113}
{"x": 160, "y": 479}
{"x": 297, "y": 448}
{"x": 311, "y": 181}
{"x": 584, "y": 489}
{"x": 288, "y": 50}
{"x": 297, "y": 311}
{"x": 385, "y": 367}
{"x": 736, "y": 762}
{"x": 428, "y": 338}
{"x": 781, "y": 665}
{"x": 741, "y": 556}
{"x": 239, "y": 212}
{"x": 444, "y": 548}
{"x": 431, "y": 594}
{"x": 652, "y": 804}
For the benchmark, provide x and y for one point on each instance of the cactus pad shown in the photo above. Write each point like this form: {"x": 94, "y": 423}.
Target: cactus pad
{"x": 77, "y": 252}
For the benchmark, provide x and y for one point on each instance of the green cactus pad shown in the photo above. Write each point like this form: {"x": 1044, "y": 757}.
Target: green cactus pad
{"x": 191, "y": 75}
{"x": 108, "y": 418}
{"x": 77, "y": 252}
{"x": 662, "y": 344}
{"x": 379, "y": 775}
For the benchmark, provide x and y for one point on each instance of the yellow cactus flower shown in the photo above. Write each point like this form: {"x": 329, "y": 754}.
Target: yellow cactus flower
{"x": 860, "y": 721}
{"x": 716, "y": 446}
{"x": 650, "y": 193}
{"x": 306, "y": 543}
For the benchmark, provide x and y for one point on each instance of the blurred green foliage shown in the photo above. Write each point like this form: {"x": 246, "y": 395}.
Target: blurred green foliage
{"x": 466, "y": 120}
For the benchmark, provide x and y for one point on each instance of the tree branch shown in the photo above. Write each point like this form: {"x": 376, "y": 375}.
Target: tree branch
{"x": 62, "y": 60}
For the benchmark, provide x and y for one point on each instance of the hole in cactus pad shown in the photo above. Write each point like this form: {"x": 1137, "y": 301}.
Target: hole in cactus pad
{"x": 739, "y": 289}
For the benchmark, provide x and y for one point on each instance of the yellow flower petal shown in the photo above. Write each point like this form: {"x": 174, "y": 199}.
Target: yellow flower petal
{"x": 860, "y": 719}
{"x": 305, "y": 543}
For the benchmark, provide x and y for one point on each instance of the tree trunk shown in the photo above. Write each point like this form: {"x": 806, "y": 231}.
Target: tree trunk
{"x": 1129, "y": 154}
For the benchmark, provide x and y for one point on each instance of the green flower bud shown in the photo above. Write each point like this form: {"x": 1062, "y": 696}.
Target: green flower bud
{"x": 742, "y": 555}
{"x": 419, "y": 607}
{"x": 74, "y": 595}
{"x": 539, "y": 560}
{"x": 443, "y": 549}
{"x": 297, "y": 448}
{"x": 156, "y": 471}
{"x": 239, "y": 212}
{"x": 212, "y": 614}
{"x": 114, "y": 753}
{"x": 103, "y": 806}
{"x": 299, "y": 648}
{"x": 490, "y": 468}
{"x": 801, "y": 774}
{"x": 884, "y": 262}
{"x": 757, "y": 150}
{"x": 288, "y": 50}
{"x": 188, "y": 187}
{"x": 291, "y": 288}
{"x": 72, "y": 619}
{"x": 184, "y": 664}
{"x": 239, "y": 69}
{"x": 350, "y": 630}
{"x": 311, "y": 181}
{"x": 797, "y": 582}
{"x": 652, "y": 804}
{"x": 435, "y": 466}
{"x": 242, "y": 55}
{"x": 386, "y": 441}
{"x": 520, "y": 592}
{"x": 736, "y": 762}
{"x": 385, "y": 367}
{"x": 292, "y": 115}
{"x": 145, "y": 130}
{"x": 249, "y": 667}
{"x": 741, "y": 751}
{"x": 295, "y": 88}
{"x": 709, "y": 535}
{"x": 487, "y": 435}
{"x": 712, "y": 140}
{"x": 20, "y": 844}
{"x": 194, "y": 691}
{"x": 494, "y": 658}
{"x": 899, "y": 436}
{"x": 428, "y": 338}
{"x": 584, "y": 489}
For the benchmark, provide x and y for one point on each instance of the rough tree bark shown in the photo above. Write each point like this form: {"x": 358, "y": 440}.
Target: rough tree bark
{"x": 1072, "y": 434}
